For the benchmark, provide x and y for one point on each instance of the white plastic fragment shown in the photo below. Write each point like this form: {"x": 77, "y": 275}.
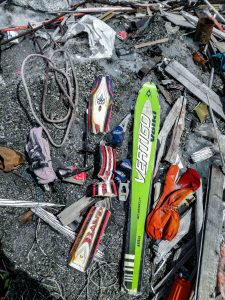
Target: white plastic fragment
{"x": 12, "y": 34}
{"x": 201, "y": 155}
{"x": 101, "y": 37}
{"x": 179, "y": 162}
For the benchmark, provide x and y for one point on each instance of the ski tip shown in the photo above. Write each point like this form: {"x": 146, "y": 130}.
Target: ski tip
{"x": 150, "y": 85}
{"x": 149, "y": 92}
{"x": 150, "y": 89}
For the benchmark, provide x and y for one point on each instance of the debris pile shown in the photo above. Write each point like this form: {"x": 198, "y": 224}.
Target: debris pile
{"x": 112, "y": 139}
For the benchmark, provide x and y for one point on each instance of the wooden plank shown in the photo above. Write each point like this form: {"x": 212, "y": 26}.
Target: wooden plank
{"x": 195, "y": 86}
{"x": 211, "y": 238}
{"x": 151, "y": 43}
{"x": 177, "y": 20}
{"x": 106, "y": 16}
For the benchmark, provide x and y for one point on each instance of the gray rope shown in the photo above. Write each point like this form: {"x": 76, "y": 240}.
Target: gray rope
{"x": 67, "y": 92}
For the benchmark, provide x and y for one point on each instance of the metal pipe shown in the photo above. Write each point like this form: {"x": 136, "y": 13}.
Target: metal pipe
{"x": 216, "y": 12}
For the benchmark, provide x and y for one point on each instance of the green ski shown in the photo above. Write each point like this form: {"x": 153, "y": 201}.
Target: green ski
{"x": 145, "y": 134}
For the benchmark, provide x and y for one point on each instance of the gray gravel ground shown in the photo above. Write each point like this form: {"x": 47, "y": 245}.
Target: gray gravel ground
{"x": 43, "y": 272}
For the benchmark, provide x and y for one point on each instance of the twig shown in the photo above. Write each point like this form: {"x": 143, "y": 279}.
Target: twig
{"x": 92, "y": 274}
{"x": 35, "y": 240}
{"x": 59, "y": 292}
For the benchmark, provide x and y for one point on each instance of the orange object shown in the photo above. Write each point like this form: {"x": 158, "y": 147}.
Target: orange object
{"x": 199, "y": 58}
{"x": 181, "y": 289}
{"x": 10, "y": 159}
{"x": 163, "y": 221}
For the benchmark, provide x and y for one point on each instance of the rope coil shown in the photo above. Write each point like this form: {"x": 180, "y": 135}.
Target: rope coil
{"x": 69, "y": 90}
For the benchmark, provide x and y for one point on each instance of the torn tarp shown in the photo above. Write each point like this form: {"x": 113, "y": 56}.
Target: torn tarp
{"x": 101, "y": 37}
{"x": 39, "y": 154}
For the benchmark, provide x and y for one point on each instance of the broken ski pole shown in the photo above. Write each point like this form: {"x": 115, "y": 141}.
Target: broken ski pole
{"x": 50, "y": 219}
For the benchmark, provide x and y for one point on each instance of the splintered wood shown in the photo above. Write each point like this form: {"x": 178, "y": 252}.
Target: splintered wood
{"x": 177, "y": 132}
{"x": 168, "y": 124}
{"x": 165, "y": 93}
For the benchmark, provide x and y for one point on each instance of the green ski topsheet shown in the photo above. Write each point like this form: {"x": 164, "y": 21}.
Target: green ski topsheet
{"x": 145, "y": 134}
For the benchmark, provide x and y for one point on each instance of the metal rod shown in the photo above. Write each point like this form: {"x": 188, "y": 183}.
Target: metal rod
{"x": 20, "y": 203}
{"x": 96, "y": 10}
